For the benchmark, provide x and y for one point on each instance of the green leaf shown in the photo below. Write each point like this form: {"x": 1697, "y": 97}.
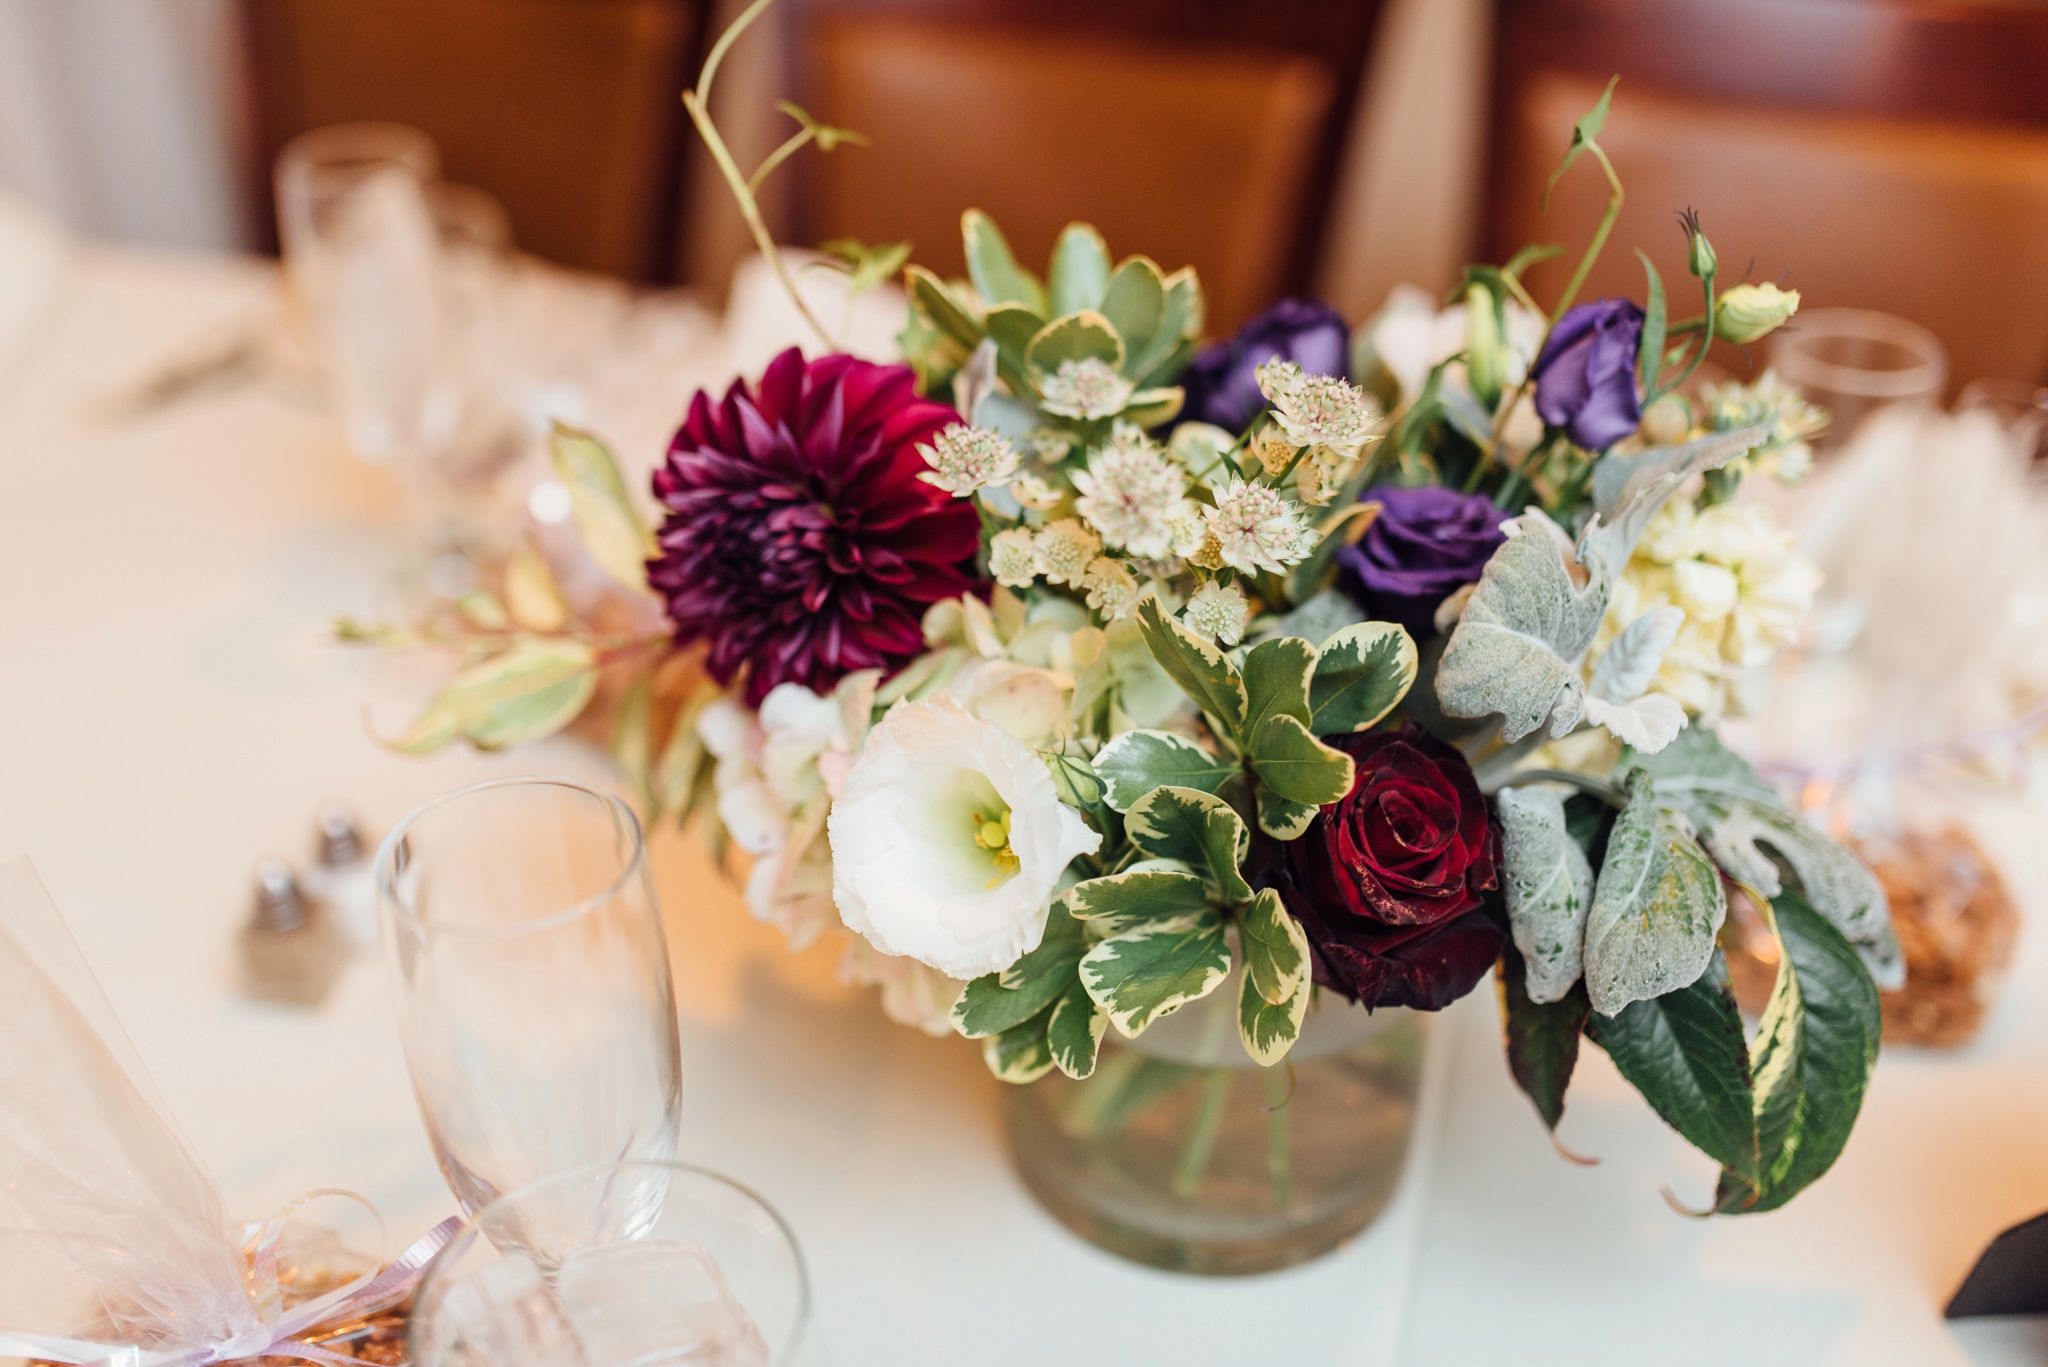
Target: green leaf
{"x": 532, "y": 595}
{"x": 1361, "y": 674}
{"x": 1200, "y": 669}
{"x": 633, "y": 743}
{"x": 1135, "y": 304}
{"x": 865, "y": 266}
{"x": 1341, "y": 528}
{"x": 606, "y": 519}
{"x": 1121, "y": 902}
{"x": 481, "y": 609}
{"x": 1812, "y": 1058}
{"x": 1743, "y": 817}
{"x": 1542, "y": 1038}
{"x": 1180, "y": 324}
{"x": 1276, "y": 675}
{"x": 1012, "y": 326}
{"x": 1196, "y": 828}
{"x": 1583, "y": 132}
{"x": 1074, "y": 1033}
{"x": 1136, "y": 762}
{"x": 1153, "y": 407}
{"x": 1549, "y": 888}
{"x": 1650, "y": 352}
{"x": 997, "y": 277}
{"x": 1282, "y": 819}
{"x": 532, "y": 690}
{"x": 1628, "y": 491}
{"x": 1021, "y": 1053}
{"x": 996, "y": 1002}
{"x": 1656, "y": 907}
{"x": 1077, "y": 337}
{"x": 1267, "y": 1028}
{"x": 676, "y": 771}
{"x": 1080, "y": 270}
{"x": 948, "y": 312}
{"x": 1144, "y": 974}
{"x": 1296, "y": 765}
{"x": 1517, "y": 647}
{"x": 1275, "y": 948}
{"x": 1684, "y": 1052}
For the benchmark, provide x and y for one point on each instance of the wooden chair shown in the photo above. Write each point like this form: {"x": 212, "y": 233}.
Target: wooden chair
{"x": 1201, "y": 132}
{"x": 1886, "y": 154}
{"x": 568, "y": 111}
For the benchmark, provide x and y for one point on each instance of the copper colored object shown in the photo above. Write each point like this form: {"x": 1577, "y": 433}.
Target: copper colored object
{"x": 378, "y": 1338}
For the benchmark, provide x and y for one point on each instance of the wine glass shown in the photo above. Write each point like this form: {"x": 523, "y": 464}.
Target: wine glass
{"x": 547, "y": 1277}
{"x": 532, "y": 983}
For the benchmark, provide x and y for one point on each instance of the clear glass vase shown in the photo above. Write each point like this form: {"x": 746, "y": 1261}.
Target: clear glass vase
{"x": 1180, "y": 1152}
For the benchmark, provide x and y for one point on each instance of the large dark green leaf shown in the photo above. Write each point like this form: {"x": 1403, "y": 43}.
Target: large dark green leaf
{"x": 1542, "y": 1038}
{"x": 1685, "y": 1053}
{"x": 1812, "y": 1058}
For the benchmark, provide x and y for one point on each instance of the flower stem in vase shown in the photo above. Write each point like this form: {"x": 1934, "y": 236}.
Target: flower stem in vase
{"x": 1194, "y": 1159}
{"x": 1279, "y": 1154}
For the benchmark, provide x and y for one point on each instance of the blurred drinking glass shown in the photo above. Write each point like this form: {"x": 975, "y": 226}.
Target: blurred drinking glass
{"x": 551, "y": 1276}
{"x": 1850, "y": 361}
{"x": 2023, "y": 410}
{"x": 532, "y": 985}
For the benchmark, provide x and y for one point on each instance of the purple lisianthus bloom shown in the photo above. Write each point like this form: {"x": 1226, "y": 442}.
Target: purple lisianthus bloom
{"x": 1586, "y": 376}
{"x": 1222, "y": 384}
{"x": 1426, "y": 543}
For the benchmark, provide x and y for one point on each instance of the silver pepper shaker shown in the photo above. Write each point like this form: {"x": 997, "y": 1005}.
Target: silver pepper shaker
{"x": 342, "y": 878}
{"x": 290, "y": 951}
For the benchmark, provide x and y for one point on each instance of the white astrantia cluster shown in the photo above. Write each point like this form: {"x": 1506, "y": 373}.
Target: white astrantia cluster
{"x": 1218, "y": 612}
{"x": 1131, "y": 493}
{"x": 1258, "y": 528}
{"x": 1064, "y": 550}
{"x": 1013, "y": 557}
{"x": 1035, "y": 493}
{"x": 1112, "y": 588}
{"x": 964, "y": 459}
{"x": 1317, "y": 410}
{"x": 1088, "y": 389}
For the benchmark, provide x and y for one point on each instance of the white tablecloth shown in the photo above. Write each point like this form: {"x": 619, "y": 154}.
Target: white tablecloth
{"x": 173, "y": 709}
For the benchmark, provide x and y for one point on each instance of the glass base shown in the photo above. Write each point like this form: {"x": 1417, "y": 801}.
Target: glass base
{"x": 1225, "y": 1169}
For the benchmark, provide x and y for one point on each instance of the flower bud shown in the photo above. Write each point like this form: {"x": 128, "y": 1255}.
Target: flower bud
{"x": 1749, "y": 312}
{"x": 1699, "y": 252}
{"x": 1484, "y": 363}
{"x": 1667, "y": 422}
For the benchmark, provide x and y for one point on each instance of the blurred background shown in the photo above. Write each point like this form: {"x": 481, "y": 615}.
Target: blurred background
{"x": 1883, "y": 154}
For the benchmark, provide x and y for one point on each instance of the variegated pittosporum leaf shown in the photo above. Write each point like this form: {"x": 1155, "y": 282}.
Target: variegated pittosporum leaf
{"x": 1516, "y": 649}
{"x": 1073, "y": 1033}
{"x": 998, "y": 1002}
{"x": 1276, "y": 675}
{"x": 1740, "y": 815}
{"x": 1275, "y": 947}
{"x": 1196, "y": 829}
{"x": 1656, "y": 905}
{"x": 1144, "y": 974}
{"x": 1297, "y": 766}
{"x": 1549, "y": 889}
{"x": 1269, "y": 1029}
{"x": 1812, "y": 1058}
{"x": 1132, "y": 900}
{"x": 1201, "y": 670}
{"x": 1361, "y": 673}
{"x": 1134, "y": 763}
{"x": 1283, "y": 819}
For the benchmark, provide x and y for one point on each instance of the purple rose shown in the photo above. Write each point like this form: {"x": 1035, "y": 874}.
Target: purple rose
{"x": 1426, "y": 543}
{"x": 1586, "y": 376}
{"x": 1222, "y": 381}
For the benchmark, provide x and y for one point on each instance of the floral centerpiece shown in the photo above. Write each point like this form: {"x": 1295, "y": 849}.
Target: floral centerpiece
{"x": 1076, "y": 671}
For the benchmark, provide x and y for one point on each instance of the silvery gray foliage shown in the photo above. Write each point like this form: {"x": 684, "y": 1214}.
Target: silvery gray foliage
{"x": 1739, "y": 813}
{"x": 976, "y": 380}
{"x": 1517, "y": 649}
{"x": 1657, "y": 905}
{"x": 1549, "y": 889}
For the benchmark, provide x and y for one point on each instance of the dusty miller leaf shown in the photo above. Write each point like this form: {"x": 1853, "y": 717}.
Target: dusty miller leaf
{"x": 1648, "y": 723}
{"x": 1549, "y": 889}
{"x": 1628, "y": 491}
{"x": 1656, "y": 906}
{"x": 1624, "y": 670}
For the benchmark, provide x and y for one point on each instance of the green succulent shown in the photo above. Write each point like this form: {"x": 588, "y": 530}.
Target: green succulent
{"x": 1088, "y": 342}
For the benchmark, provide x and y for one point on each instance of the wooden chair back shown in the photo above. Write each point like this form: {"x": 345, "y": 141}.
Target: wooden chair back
{"x": 1885, "y": 154}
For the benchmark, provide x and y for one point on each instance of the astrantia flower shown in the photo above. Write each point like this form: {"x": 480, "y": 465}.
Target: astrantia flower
{"x": 949, "y": 840}
{"x": 1129, "y": 491}
{"x": 1013, "y": 557}
{"x": 1112, "y": 588}
{"x": 965, "y": 458}
{"x": 1256, "y": 528}
{"x": 1034, "y": 493}
{"x": 1087, "y": 388}
{"x": 1316, "y": 410}
{"x": 1064, "y": 551}
{"x": 1219, "y": 612}
{"x": 800, "y": 542}
{"x": 1222, "y": 380}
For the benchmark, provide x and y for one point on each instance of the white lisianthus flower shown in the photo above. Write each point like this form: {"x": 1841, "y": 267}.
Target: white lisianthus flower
{"x": 1087, "y": 388}
{"x": 1129, "y": 491}
{"x": 950, "y": 839}
{"x": 1218, "y": 612}
{"x": 1257, "y": 528}
{"x": 965, "y": 458}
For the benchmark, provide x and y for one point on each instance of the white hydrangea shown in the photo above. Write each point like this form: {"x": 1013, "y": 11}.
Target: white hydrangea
{"x": 1258, "y": 528}
{"x": 965, "y": 458}
{"x": 1064, "y": 550}
{"x": 1112, "y": 588}
{"x": 1129, "y": 492}
{"x": 1088, "y": 388}
{"x": 1219, "y": 612}
{"x": 1013, "y": 557}
{"x": 1316, "y": 410}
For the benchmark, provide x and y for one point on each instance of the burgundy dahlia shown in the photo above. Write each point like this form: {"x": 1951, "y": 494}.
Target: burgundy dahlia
{"x": 800, "y": 542}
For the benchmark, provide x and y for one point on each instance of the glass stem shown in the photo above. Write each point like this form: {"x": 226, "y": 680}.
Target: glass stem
{"x": 1279, "y": 1155}
{"x": 1194, "y": 1159}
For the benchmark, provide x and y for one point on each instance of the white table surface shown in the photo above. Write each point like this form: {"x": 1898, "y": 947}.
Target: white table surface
{"x": 172, "y": 710}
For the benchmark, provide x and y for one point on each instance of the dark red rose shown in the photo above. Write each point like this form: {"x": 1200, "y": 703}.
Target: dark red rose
{"x": 1391, "y": 881}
